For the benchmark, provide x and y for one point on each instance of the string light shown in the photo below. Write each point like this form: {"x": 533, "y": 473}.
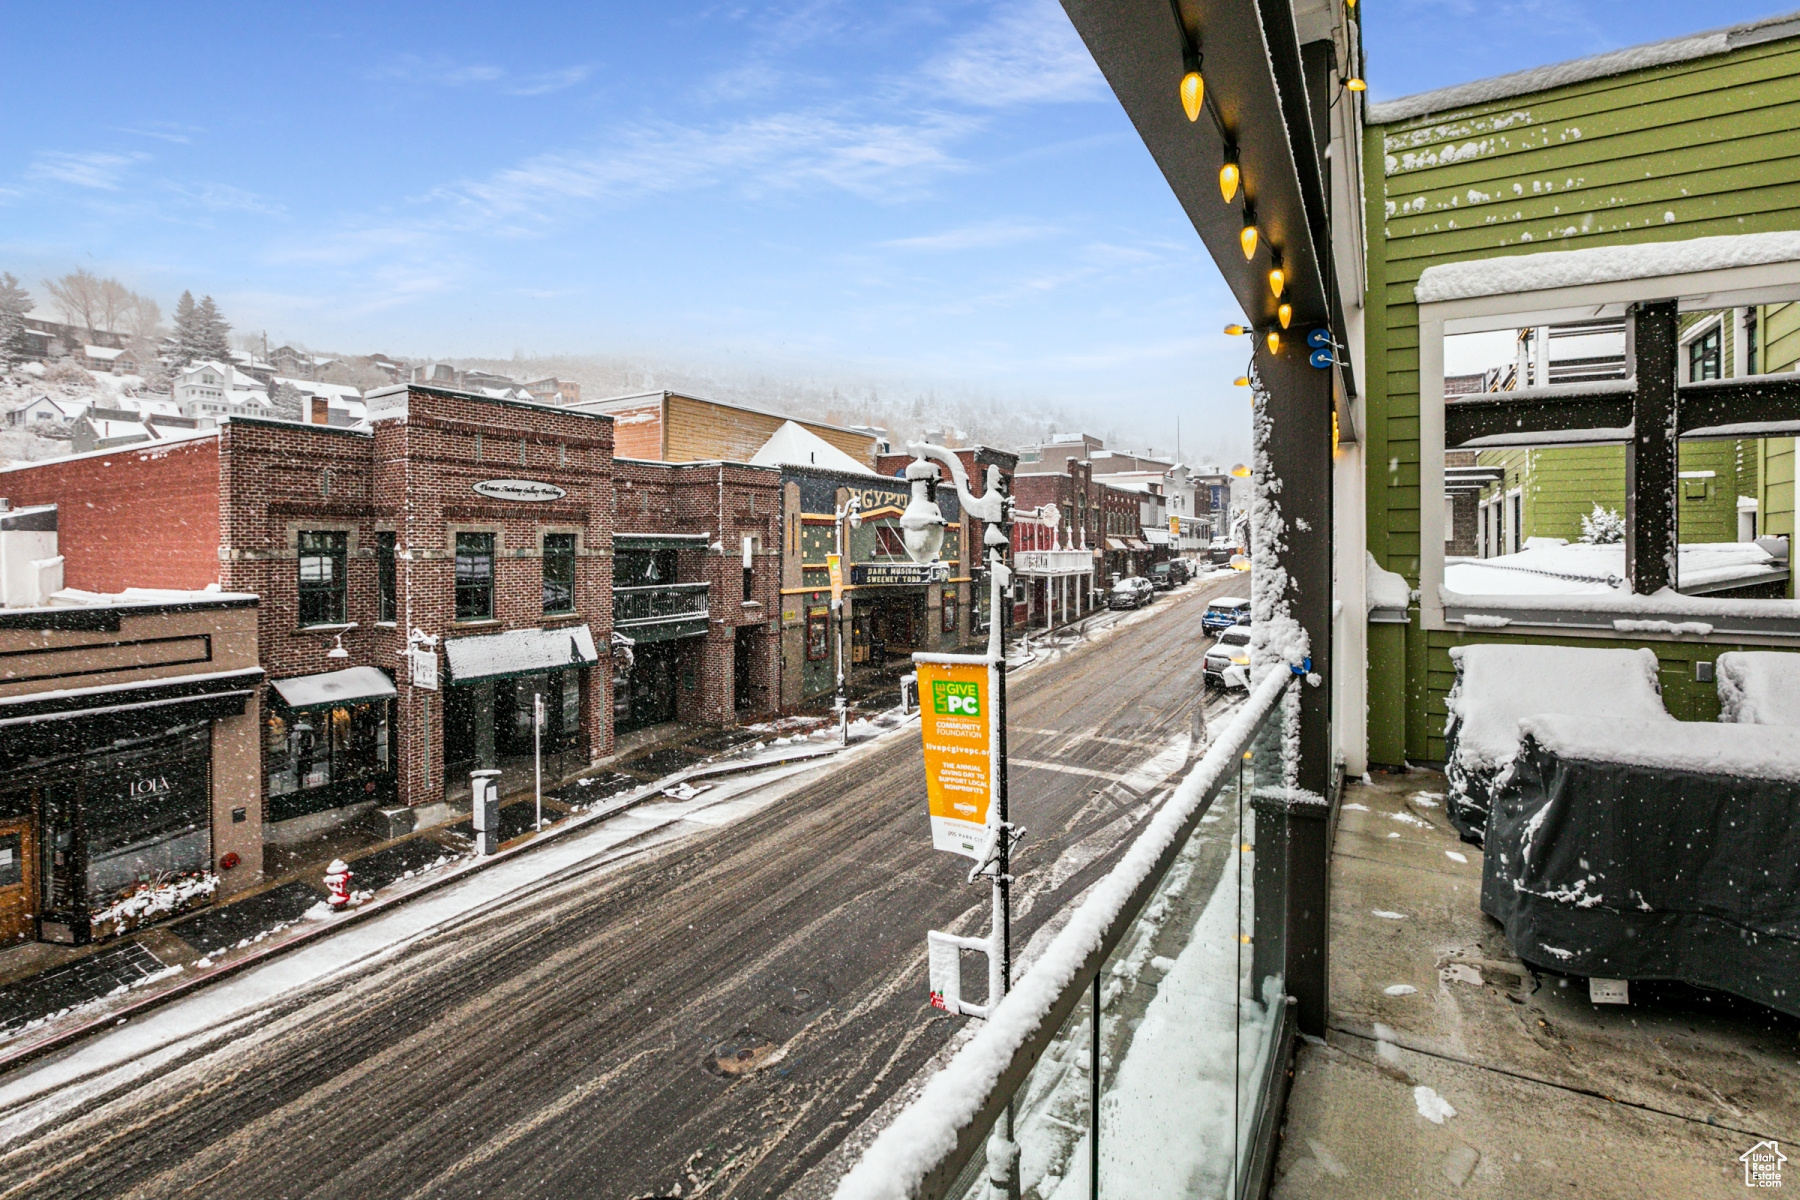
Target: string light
{"x": 1355, "y": 85}
{"x": 1274, "y": 340}
{"x": 1286, "y": 313}
{"x": 1241, "y": 381}
{"x": 1277, "y": 276}
{"x": 1193, "y": 87}
{"x": 1247, "y": 235}
{"x": 1230, "y": 175}
{"x": 1235, "y": 331}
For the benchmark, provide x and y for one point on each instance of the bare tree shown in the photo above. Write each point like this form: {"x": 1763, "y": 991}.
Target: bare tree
{"x": 142, "y": 319}
{"x": 112, "y": 302}
{"x": 77, "y": 297}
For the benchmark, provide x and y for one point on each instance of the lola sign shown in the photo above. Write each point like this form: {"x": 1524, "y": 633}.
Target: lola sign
{"x": 955, "y": 721}
{"x": 528, "y": 491}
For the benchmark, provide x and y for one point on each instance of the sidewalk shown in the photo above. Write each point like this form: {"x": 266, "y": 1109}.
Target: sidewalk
{"x": 1431, "y": 1012}
{"x": 40, "y": 982}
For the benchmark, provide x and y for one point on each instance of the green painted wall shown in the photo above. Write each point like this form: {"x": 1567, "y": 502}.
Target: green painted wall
{"x": 1689, "y": 150}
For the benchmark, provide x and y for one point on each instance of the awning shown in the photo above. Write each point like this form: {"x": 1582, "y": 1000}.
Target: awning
{"x": 1134, "y": 544}
{"x": 519, "y": 652}
{"x": 1157, "y": 537}
{"x": 1113, "y": 543}
{"x": 330, "y": 689}
{"x": 659, "y": 541}
{"x": 46, "y": 725}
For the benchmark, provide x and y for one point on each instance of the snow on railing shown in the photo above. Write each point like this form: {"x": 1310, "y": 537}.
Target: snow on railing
{"x": 929, "y": 1141}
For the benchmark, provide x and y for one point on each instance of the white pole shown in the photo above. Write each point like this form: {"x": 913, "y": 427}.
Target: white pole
{"x": 537, "y": 753}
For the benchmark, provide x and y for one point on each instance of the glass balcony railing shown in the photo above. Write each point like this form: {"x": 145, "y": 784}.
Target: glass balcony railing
{"x": 1142, "y": 1053}
{"x": 659, "y": 602}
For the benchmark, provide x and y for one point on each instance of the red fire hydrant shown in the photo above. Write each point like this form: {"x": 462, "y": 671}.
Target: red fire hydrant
{"x": 337, "y": 883}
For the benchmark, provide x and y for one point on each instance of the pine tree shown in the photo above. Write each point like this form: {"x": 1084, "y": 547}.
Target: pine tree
{"x": 187, "y": 346}
{"x": 1603, "y": 527}
{"x": 14, "y": 304}
{"x": 288, "y": 401}
{"x": 211, "y": 331}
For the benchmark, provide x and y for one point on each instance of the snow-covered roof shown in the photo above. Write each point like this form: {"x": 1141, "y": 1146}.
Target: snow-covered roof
{"x": 1552, "y": 567}
{"x": 1759, "y": 687}
{"x": 106, "y": 428}
{"x": 1601, "y": 264}
{"x": 1701, "y": 747}
{"x": 1497, "y": 685}
{"x": 331, "y": 391}
{"x": 102, "y": 353}
{"x": 794, "y": 445}
{"x": 1598, "y": 66}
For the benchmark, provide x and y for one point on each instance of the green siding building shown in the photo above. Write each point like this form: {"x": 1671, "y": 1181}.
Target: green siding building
{"x": 1689, "y": 139}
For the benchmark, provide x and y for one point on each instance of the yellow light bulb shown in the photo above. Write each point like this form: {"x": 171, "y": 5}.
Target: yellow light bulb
{"x": 1286, "y": 313}
{"x": 1355, "y": 85}
{"x": 1235, "y": 331}
{"x": 1247, "y": 239}
{"x": 1193, "y": 91}
{"x": 1277, "y": 280}
{"x": 1274, "y": 340}
{"x": 1228, "y": 181}
{"x": 1241, "y": 381}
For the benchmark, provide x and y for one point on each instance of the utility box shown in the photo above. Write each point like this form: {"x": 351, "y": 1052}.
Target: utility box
{"x": 484, "y": 789}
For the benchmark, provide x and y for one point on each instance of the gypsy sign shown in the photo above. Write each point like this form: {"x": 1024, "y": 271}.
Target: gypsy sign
{"x": 528, "y": 490}
{"x": 956, "y": 722}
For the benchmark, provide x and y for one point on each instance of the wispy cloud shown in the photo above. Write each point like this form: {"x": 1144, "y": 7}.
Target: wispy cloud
{"x": 974, "y": 237}
{"x": 781, "y": 151}
{"x": 164, "y": 131}
{"x": 94, "y": 170}
{"x": 223, "y": 197}
{"x": 440, "y": 71}
{"x": 1028, "y": 54}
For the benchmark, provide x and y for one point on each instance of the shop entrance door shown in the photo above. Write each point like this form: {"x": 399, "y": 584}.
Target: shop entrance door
{"x": 18, "y": 884}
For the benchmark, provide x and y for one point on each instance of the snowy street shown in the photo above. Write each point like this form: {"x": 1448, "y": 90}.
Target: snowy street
{"x": 706, "y": 992}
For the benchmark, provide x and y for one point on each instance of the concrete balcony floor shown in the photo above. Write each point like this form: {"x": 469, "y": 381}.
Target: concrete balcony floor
{"x": 1554, "y": 1096}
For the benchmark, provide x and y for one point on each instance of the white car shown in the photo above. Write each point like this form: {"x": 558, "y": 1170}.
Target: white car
{"x": 1231, "y": 650}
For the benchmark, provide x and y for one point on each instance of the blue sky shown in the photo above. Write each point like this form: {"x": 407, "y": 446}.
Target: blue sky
{"x": 942, "y": 193}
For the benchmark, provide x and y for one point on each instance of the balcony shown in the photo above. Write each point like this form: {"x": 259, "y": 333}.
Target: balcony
{"x": 661, "y": 612}
{"x": 1054, "y": 562}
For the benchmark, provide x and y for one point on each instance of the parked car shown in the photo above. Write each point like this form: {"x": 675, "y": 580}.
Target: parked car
{"x": 1231, "y": 650}
{"x": 1181, "y": 569}
{"x": 1162, "y": 577}
{"x": 1225, "y": 612}
{"x": 1132, "y": 592}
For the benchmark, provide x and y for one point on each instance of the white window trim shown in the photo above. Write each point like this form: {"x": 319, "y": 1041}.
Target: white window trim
{"x": 1731, "y": 287}
{"x": 1684, "y": 367}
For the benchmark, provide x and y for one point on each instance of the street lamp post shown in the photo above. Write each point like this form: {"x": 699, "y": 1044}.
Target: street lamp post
{"x": 922, "y": 527}
{"x": 849, "y": 516}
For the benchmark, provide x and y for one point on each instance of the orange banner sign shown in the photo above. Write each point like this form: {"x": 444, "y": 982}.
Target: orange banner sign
{"x": 954, "y": 717}
{"x": 836, "y": 568}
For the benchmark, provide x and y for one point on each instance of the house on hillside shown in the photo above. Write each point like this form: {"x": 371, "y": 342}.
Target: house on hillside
{"x": 212, "y": 389}
{"x": 43, "y": 413}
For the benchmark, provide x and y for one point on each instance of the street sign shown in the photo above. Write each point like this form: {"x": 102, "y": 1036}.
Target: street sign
{"x": 424, "y": 668}
{"x": 833, "y": 565}
{"x": 955, "y": 721}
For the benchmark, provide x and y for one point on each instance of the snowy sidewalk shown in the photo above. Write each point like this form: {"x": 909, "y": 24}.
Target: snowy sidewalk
{"x": 1452, "y": 1069}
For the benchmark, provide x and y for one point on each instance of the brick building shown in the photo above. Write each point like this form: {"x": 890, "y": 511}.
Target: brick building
{"x": 696, "y": 579}
{"x": 1060, "y": 567}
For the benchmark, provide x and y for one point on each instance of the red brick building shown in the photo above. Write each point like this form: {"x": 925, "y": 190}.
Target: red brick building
{"x": 453, "y": 536}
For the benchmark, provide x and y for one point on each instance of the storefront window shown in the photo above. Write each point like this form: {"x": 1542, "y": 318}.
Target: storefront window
{"x": 474, "y": 576}
{"x": 817, "y": 633}
{"x": 322, "y": 559}
{"x": 147, "y": 831}
{"x": 311, "y": 752}
{"x": 385, "y": 598}
{"x": 949, "y": 611}
{"x": 559, "y": 572}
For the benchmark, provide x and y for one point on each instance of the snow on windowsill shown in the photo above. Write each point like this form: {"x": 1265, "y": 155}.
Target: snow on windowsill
{"x": 1550, "y": 269}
